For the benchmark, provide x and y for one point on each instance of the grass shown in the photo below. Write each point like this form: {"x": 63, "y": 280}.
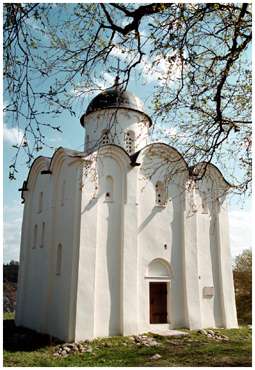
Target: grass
{"x": 23, "y": 347}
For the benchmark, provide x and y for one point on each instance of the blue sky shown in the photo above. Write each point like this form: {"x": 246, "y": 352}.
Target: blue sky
{"x": 73, "y": 137}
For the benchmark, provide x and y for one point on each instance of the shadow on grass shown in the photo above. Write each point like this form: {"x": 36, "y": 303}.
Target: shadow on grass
{"x": 22, "y": 339}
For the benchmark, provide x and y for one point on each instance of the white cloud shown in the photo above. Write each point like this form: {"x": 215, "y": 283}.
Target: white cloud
{"x": 123, "y": 54}
{"x": 157, "y": 69}
{"x": 160, "y": 69}
{"x": 83, "y": 89}
{"x": 106, "y": 82}
{"x": 12, "y": 135}
{"x": 240, "y": 231}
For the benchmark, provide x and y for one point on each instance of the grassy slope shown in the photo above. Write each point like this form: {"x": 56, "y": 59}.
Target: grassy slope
{"x": 26, "y": 348}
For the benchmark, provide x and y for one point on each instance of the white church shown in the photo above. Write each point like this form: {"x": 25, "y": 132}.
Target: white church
{"x": 119, "y": 239}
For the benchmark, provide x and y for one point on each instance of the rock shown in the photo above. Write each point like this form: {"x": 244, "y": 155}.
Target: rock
{"x": 210, "y": 332}
{"x": 155, "y": 357}
{"x": 209, "y": 335}
{"x": 175, "y": 343}
{"x": 69, "y": 348}
{"x": 225, "y": 339}
{"x": 153, "y": 343}
{"x": 202, "y": 331}
{"x": 145, "y": 341}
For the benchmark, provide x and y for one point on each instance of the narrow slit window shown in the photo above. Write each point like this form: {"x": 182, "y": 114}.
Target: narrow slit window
{"x": 63, "y": 193}
{"x": 35, "y": 236}
{"x": 130, "y": 141}
{"x": 109, "y": 188}
{"x": 40, "y": 205}
{"x": 42, "y": 235}
{"x": 59, "y": 259}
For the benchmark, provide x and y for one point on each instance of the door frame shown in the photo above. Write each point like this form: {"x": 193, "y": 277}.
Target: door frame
{"x": 168, "y": 287}
{"x": 158, "y": 292}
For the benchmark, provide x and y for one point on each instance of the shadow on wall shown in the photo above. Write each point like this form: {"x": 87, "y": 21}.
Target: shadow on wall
{"x": 178, "y": 310}
{"x": 154, "y": 211}
{"x": 113, "y": 265}
{"x": 215, "y": 258}
{"x": 91, "y": 204}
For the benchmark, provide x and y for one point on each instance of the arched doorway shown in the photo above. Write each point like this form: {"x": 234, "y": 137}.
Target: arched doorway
{"x": 159, "y": 275}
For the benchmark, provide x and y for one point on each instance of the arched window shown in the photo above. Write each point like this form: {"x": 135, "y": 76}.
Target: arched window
{"x": 160, "y": 194}
{"x": 130, "y": 141}
{"x": 109, "y": 188}
{"x": 63, "y": 193}
{"x": 40, "y": 204}
{"x": 35, "y": 236}
{"x": 59, "y": 259}
{"x": 105, "y": 137}
{"x": 42, "y": 235}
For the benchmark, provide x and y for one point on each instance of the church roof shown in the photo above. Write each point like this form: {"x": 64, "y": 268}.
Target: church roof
{"x": 134, "y": 161}
{"x": 115, "y": 97}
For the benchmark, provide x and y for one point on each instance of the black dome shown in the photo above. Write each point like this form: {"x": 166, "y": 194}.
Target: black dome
{"x": 115, "y": 98}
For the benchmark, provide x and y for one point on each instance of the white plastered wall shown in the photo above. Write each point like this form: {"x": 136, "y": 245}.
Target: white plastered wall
{"x": 160, "y": 234}
{"x": 214, "y": 257}
{"x": 208, "y": 263}
{"x": 66, "y": 227}
{"x": 46, "y": 300}
{"x": 32, "y": 285}
{"x": 99, "y": 295}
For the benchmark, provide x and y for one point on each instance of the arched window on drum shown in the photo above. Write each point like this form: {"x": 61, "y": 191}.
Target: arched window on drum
{"x": 105, "y": 137}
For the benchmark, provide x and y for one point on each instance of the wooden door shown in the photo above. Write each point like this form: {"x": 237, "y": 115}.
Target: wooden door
{"x": 158, "y": 303}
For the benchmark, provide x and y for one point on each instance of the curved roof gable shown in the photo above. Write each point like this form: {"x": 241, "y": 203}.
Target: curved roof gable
{"x": 165, "y": 147}
{"x": 205, "y": 167}
{"x": 191, "y": 169}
